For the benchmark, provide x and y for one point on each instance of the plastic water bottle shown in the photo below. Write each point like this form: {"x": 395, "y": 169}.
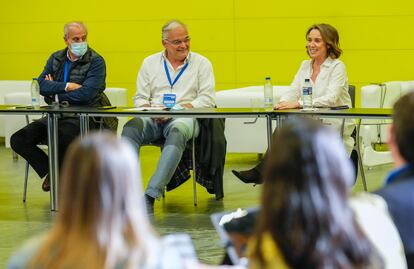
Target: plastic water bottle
{"x": 35, "y": 93}
{"x": 307, "y": 94}
{"x": 268, "y": 94}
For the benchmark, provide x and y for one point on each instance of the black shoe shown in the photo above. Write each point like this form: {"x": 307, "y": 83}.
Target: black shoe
{"x": 149, "y": 203}
{"x": 249, "y": 176}
{"x": 46, "y": 184}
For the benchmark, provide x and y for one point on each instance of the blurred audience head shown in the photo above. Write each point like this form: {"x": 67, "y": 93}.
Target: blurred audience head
{"x": 401, "y": 138}
{"x": 304, "y": 200}
{"x": 102, "y": 221}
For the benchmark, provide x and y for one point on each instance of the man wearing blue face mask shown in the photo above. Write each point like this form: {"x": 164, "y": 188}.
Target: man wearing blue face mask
{"x": 76, "y": 75}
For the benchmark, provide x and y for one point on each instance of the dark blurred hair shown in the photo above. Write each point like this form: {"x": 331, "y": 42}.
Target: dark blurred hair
{"x": 304, "y": 201}
{"x": 403, "y": 122}
{"x": 330, "y": 36}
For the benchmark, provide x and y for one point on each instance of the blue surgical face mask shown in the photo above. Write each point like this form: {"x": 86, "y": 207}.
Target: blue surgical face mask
{"x": 79, "y": 49}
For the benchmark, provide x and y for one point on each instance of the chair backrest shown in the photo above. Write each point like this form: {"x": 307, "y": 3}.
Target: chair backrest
{"x": 379, "y": 96}
{"x": 391, "y": 93}
{"x": 407, "y": 86}
{"x": 12, "y": 123}
{"x": 13, "y": 86}
{"x": 245, "y": 97}
{"x": 117, "y": 96}
{"x": 351, "y": 91}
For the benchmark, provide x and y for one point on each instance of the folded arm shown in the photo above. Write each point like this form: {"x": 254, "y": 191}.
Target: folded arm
{"x": 93, "y": 84}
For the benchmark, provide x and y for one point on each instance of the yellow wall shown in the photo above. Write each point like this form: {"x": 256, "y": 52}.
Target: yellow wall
{"x": 245, "y": 40}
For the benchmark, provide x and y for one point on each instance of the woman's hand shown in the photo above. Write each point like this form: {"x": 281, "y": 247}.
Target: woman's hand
{"x": 287, "y": 105}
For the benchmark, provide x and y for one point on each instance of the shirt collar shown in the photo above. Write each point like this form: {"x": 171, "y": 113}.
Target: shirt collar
{"x": 67, "y": 56}
{"x": 328, "y": 62}
{"x": 164, "y": 57}
{"x": 396, "y": 173}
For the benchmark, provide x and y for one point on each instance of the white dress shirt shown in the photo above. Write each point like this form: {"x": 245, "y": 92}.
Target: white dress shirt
{"x": 196, "y": 84}
{"x": 330, "y": 88}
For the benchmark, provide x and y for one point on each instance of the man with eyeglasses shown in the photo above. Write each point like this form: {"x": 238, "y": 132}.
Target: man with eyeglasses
{"x": 72, "y": 76}
{"x": 174, "y": 78}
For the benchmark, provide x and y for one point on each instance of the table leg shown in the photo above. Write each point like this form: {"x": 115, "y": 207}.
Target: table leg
{"x": 194, "y": 163}
{"x": 84, "y": 125}
{"x": 52, "y": 124}
{"x": 278, "y": 121}
{"x": 358, "y": 148}
{"x": 269, "y": 132}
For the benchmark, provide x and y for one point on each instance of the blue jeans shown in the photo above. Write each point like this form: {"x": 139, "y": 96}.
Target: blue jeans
{"x": 177, "y": 132}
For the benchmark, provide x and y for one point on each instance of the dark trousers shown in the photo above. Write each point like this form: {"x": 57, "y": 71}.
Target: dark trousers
{"x": 25, "y": 142}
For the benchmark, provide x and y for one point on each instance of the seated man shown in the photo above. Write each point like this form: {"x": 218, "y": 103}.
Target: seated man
{"x": 184, "y": 76}
{"x": 76, "y": 75}
{"x": 398, "y": 191}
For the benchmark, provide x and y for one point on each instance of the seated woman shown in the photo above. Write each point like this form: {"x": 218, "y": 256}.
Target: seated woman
{"x": 306, "y": 219}
{"x": 102, "y": 222}
{"x": 329, "y": 81}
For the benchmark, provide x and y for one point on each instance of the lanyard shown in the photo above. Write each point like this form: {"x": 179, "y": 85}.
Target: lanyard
{"x": 177, "y": 77}
{"x": 66, "y": 71}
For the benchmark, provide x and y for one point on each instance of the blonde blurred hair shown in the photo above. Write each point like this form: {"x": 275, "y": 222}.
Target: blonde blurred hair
{"x": 102, "y": 220}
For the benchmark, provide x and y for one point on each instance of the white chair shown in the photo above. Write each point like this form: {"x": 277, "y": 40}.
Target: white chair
{"x": 246, "y": 135}
{"x": 374, "y": 133}
{"x": 13, "y": 123}
{"x": 7, "y": 87}
{"x": 118, "y": 97}
{"x": 407, "y": 86}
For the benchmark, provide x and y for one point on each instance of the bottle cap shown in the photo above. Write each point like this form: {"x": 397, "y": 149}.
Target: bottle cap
{"x": 307, "y": 80}
{"x": 267, "y": 78}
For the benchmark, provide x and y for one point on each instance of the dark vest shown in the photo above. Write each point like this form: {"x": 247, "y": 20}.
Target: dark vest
{"x": 78, "y": 74}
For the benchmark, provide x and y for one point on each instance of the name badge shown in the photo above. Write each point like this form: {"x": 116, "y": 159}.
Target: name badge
{"x": 169, "y": 99}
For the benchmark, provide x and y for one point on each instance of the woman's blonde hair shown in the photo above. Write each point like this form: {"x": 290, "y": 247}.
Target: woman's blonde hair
{"x": 330, "y": 36}
{"x": 102, "y": 220}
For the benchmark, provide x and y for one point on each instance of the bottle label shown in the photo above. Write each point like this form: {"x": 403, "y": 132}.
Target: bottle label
{"x": 307, "y": 90}
{"x": 268, "y": 101}
{"x": 268, "y": 94}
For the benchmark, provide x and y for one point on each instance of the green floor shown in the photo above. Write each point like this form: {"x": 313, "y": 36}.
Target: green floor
{"x": 175, "y": 213}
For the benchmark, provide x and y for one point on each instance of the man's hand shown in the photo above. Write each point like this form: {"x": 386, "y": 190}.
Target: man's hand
{"x": 188, "y": 105}
{"x": 287, "y": 105}
{"x": 71, "y": 86}
{"x": 49, "y": 77}
{"x": 50, "y": 98}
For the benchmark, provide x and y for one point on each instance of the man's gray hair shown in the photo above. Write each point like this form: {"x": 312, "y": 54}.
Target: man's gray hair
{"x": 76, "y": 24}
{"x": 172, "y": 24}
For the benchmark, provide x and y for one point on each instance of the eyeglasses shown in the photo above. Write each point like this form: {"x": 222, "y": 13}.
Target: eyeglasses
{"x": 178, "y": 42}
